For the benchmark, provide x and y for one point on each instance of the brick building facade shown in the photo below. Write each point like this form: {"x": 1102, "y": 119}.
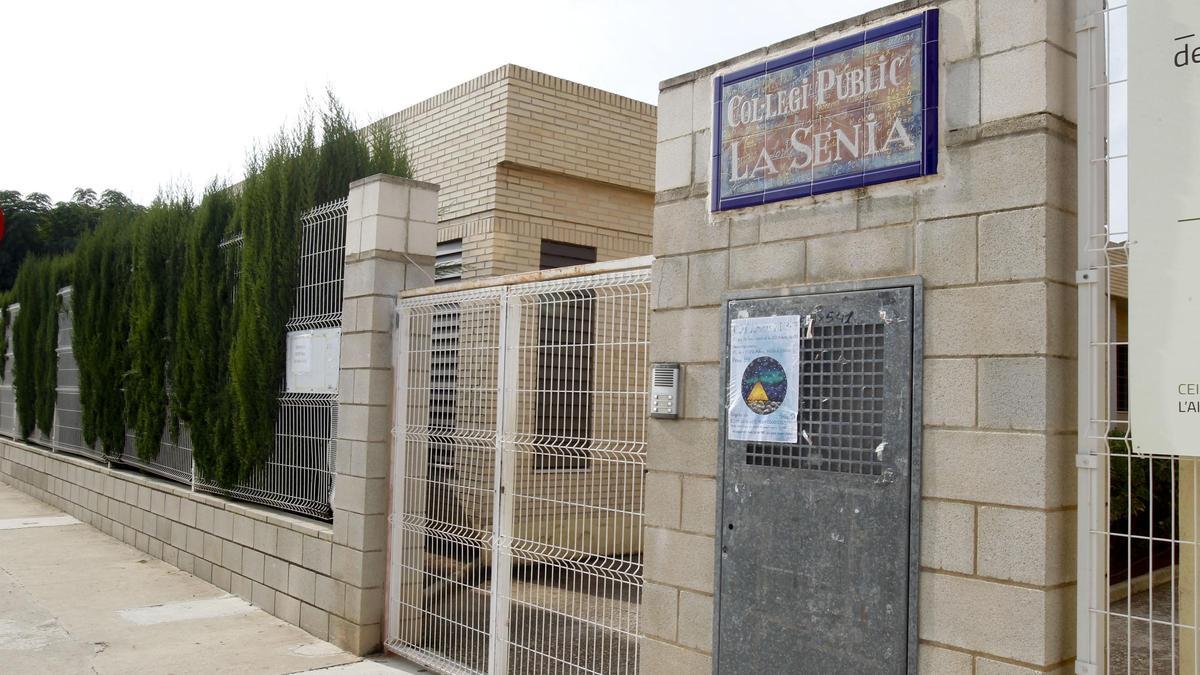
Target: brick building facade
{"x": 524, "y": 158}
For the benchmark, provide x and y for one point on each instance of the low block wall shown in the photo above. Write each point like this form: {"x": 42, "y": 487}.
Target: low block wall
{"x": 283, "y": 564}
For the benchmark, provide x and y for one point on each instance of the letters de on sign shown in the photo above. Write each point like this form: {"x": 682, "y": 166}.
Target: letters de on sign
{"x": 858, "y": 111}
{"x": 1164, "y": 226}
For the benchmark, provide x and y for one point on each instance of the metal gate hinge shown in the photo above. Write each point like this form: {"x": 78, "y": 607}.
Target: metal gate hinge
{"x": 1085, "y": 668}
{"x": 1086, "y": 461}
{"x": 1085, "y": 276}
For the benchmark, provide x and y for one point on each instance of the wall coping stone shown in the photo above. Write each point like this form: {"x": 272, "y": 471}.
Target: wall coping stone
{"x": 888, "y": 12}
{"x": 254, "y": 512}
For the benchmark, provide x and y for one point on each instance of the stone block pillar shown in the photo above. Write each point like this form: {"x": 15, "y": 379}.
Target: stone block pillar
{"x": 391, "y": 240}
{"x": 992, "y": 234}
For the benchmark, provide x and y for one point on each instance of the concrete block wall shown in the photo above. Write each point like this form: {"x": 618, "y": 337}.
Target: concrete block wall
{"x": 522, "y": 156}
{"x": 281, "y": 563}
{"x": 992, "y": 234}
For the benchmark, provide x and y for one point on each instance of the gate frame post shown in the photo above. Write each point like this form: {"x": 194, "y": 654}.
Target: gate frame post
{"x": 508, "y": 378}
{"x": 1092, "y": 96}
{"x": 394, "y": 585}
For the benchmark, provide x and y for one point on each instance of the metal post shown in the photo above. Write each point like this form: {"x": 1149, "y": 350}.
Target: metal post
{"x": 1091, "y": 87}
{"x": 502, "y": 530}
{"x": 397, "y": 539}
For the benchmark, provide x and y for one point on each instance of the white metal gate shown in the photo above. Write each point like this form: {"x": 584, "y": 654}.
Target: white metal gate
{"x": 1139, "y": 582}
{"x": 517, "y": 473}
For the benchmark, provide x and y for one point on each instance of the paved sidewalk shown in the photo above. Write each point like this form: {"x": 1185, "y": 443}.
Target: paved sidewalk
{"x": 74, "y": 600}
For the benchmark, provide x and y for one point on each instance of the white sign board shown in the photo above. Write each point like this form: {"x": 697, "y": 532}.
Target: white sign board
{"x": 314, "y": 360}
{"x": 764, "y": 378}
{"x": 1164, "y": 226}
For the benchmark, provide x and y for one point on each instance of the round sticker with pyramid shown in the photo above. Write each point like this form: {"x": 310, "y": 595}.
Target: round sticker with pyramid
{"x": 764, "y": 385}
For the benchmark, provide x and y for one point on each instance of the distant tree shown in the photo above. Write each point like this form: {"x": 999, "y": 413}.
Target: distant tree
{"x": 63, "y": 225}
{"x": 34, "y": 225}
{"x": 41, "y": 199}
{"x": 111, "y": 199}
{"x": 85, "y": 196}
{"x": 22, "y": 218}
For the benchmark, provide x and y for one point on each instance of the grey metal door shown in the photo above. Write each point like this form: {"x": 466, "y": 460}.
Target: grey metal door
{"x": 817, "y": 553}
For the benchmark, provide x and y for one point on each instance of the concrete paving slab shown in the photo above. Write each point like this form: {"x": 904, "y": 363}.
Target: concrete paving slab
{"x": 36, "y": 521}
{"x": 74, "y": 600}
{"x": 379, "y": 665}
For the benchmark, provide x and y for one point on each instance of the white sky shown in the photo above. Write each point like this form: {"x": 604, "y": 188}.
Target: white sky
{"x": 133, "y": 96}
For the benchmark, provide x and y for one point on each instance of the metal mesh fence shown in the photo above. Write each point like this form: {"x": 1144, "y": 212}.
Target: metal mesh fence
{"x": 67, "y": 433}
{"x": 1139, "y": 583}
{"x": 174, "y": 459}
{"x": 299, "y": 475}
{"x": 517, "y": 493}
{"x": 8, "y": 402}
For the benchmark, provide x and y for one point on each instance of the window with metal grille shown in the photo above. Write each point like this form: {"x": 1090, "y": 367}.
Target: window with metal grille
{"x": 841, "y": 404}
{"x": 447, "y": 267}
{"x": 443, "y": 393}
{"x": 443, "y": 386}
{"x": 566, "y": 333}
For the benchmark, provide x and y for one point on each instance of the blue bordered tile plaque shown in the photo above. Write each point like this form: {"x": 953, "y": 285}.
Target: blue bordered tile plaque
{"x": 857, "y": 111}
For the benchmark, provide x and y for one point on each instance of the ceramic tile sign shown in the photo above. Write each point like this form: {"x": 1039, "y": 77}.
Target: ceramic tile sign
{"x": 857, "y": 111}
{"x": 1164, "y": 226}
{"x": 764, "y": 373}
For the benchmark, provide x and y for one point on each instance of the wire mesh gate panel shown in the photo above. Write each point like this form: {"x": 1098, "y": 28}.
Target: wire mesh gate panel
{"x": 1139, "y": 514}
{"x": 517, "y": 477}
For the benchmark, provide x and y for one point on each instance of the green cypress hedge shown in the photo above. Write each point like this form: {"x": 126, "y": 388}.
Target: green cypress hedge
{"x": 200, "y": 372}
{"x": 273, "y": 197}
{"x": 292, "y": 176}
{"x": 100, "y": 302}
{"x": 164, "y": 328}
{"x": 35, "y": 336}
{"x": 153, "y": 303}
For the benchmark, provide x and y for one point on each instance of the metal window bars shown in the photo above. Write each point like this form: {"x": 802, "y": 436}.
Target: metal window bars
{"x": 516, "y": 520}
{"x": 1138, "y": 514}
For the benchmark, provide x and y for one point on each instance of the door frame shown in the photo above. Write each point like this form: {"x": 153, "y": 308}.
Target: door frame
{"x": 917, "y": 286}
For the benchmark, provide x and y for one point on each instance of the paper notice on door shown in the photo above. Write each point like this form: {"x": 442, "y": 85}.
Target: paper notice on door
{"x": 764, "y": 373}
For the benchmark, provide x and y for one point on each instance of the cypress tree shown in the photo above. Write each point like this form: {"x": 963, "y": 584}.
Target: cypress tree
{"x": 100, "y": 299}
{"x": 153, "y": 303}
{"x": 203, "y": 334}
{"x": 274, "y": 195}
{"x": 35, "y": 336}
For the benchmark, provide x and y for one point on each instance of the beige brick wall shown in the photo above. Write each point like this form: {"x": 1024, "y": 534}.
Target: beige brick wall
{"x": 564, "y": 127}
{"x": 455, "y": 139}
{"x": 992, "y": 235}
{"x": 523, "y": 156}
